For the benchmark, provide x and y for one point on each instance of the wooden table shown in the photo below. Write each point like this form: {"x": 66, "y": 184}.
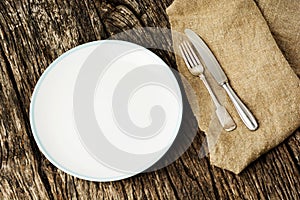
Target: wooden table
{"x": 32, "y": 34}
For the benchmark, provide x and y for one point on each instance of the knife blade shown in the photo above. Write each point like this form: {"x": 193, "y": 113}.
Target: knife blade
{"x": 213, "y": 66}
{"x": 207, "y": 56}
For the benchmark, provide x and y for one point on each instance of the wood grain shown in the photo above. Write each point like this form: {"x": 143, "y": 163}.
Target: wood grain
{"x": 32, "y": 34}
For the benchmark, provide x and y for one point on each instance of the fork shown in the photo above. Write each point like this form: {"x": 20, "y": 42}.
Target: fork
{"x": 196, "y": 68}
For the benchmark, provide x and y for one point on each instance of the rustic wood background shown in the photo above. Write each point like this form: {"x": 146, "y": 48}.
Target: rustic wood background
{"x": 35, "y": 32}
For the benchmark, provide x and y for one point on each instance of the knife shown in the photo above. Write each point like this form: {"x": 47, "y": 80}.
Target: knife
{"x": 216, "y": 71}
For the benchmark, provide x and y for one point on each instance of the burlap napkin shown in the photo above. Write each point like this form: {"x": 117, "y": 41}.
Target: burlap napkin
{"x": 240, "y": 38}
{"x": 283, "y": 18}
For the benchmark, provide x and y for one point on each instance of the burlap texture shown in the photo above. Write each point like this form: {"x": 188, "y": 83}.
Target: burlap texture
{"x": 283, "y": 18}
{"x": 240, "y": 38}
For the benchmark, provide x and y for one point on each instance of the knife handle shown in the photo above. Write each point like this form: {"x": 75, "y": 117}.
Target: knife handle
{"x": 242, "y": 110}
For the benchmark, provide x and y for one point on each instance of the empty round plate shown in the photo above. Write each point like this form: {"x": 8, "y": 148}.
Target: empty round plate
{"x": 106, "y": 110}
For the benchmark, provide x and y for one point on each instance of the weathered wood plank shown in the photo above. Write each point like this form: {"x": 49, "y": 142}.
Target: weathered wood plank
{"x": 34, "y": 33}
{"x": 293, "y": 147}
{"x": 20, "y": 175}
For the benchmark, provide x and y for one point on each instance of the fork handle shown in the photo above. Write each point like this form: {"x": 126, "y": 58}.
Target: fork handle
{"x": 242, "y": 110}
{"x": 223, "y": 116}
{"x": 212, "y": 94}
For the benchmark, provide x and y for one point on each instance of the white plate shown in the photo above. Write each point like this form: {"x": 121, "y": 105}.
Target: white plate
{"x": 87, "y": 122}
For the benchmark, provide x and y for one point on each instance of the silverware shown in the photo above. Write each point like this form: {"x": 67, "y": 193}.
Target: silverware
{"x": 215, "y": 69}
{"x": 195, "y": 67}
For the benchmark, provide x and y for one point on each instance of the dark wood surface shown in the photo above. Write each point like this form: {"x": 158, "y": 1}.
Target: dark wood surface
{"x": 32, "y": 34}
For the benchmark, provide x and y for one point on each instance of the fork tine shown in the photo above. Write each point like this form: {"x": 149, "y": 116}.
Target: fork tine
{"x": 188, "y": 54}
{"x": 192, "y": 54}
{"x": 196, "y": 59}
{"x": 183, "y": 52}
